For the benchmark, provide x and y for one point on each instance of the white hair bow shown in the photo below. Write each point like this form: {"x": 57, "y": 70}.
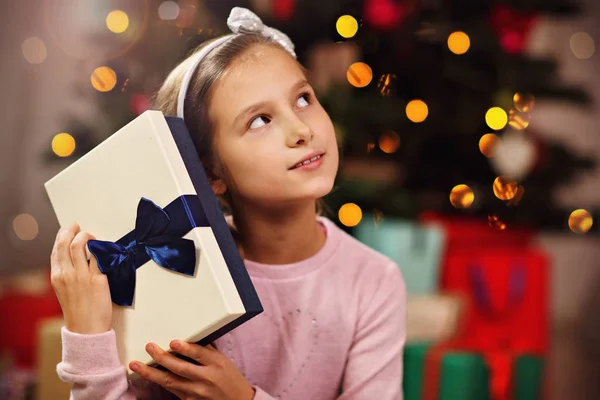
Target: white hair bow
{"x": 240, "y": 21}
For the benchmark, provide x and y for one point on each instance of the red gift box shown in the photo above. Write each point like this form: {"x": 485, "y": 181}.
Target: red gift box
{"x": 506, "y": 293}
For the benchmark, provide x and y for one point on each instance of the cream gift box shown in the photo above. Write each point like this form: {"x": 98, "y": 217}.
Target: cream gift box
{"x": 173, "y": 267}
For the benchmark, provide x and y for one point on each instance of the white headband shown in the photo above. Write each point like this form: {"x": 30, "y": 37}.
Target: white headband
{"x": 240, "y": 21}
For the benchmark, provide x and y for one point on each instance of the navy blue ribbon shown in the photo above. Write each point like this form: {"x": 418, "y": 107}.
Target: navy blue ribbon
{"x": 516, "y": 286}
{"x": 158, "y": 237}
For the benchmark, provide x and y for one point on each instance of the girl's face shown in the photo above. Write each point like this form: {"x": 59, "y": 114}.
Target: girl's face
{"x": 276, "y": 141}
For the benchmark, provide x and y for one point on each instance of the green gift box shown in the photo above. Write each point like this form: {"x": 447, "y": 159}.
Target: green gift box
{"x": 465, "y": 375}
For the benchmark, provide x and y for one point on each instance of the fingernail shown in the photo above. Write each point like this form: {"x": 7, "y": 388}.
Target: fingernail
{"x": 134, "y": 367}
{"x": 150, "y": 347}
{"x": 175, "y": 345}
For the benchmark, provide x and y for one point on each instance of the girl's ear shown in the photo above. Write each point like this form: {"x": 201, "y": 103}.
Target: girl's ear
{"x": 219, "y": 187}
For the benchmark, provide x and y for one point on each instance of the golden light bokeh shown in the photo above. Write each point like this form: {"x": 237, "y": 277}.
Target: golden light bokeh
{"x": 518, "y": 120}
{"x": 168, "y": 10}
{"x": 385, "y": 84}
{"x": 370, "y": 147}
{"x": 524, "y": 102}
{"x": 359, "y": 74}
{"x": 462, "y": 196}
{"x": 417, "y": 110}
{"x": 582, "y": 45}
{"x": 350, "y": 214}
{"x": 34, "y": 50}
{"x": 517, "y": 197}
{"x": 580, "y": 221}
{"x": 104, "y": 79}
{"x": 505, "y": 189}
{"x": 63, "y": 144}
{"x": 346, "y": 26}
{"x": 496, "y": 118}
{"x": 487, "y": 144}
{"x": 389, "y": 142}
{"x": 25, "y": 227}
{"x": 117, "y": 21}
{"x": 494, "y": 222}
{"x": 459, "y": 42}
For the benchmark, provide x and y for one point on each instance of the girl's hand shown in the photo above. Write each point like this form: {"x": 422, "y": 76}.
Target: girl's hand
{"x": 81, "y": 288}
{"x": 217, "y": 378}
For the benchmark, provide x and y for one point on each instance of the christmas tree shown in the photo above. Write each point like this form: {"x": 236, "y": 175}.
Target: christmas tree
{"x": 432, "y": 105}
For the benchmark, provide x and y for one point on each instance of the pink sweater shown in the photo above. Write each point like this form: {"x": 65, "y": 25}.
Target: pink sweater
{"x": 333, "y": 321}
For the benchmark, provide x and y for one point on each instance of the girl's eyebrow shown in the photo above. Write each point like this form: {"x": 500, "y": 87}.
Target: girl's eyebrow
{"x": 256, "y": 106}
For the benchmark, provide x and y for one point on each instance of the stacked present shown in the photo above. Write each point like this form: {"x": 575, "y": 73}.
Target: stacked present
{"x": 477, "y": 309}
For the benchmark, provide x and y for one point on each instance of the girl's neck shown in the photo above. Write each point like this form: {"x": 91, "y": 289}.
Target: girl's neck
{"x": 282, "y": 236}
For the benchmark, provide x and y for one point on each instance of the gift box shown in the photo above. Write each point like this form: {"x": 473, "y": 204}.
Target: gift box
{"x": 506, "y": 292}
{"x": 416, "y": 249}
{"x": 432, "y": 317}
{"x": 462, "y": 370}
{"x": 173, "y": 267}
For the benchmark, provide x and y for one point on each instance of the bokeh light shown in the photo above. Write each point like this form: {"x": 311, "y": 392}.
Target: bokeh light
{"x": 34, "y": 50}
{"x": 168, "y": 10}
{"x": 359, "y": 74}
{"x": 496, "y": 118}
{"x": 346, "y": 26}
{"x": 386, "y": 83}
{"x": 63, "y": 144}
{"x": 518, "y": 120}
{"x": 104, "y": 79}
{"x": 389, "y": 142}
{"x": 517, "y": 197}
{"x": 494, "y": 222}
{"x": 459, "y": 42}
{"x": 25, "y": 227}
{"x": 524, "y": 102}
{"x": 350, "y": 214}
{"x": 117, "y": 21}
{"x": 505, "y": 189}
{"x": 461, "y": 196}
{"x": 582, "y": 45}
{"x": 487, "y": 144}
{"x": 580, "y": 221}
{"x": 417, "y": 111}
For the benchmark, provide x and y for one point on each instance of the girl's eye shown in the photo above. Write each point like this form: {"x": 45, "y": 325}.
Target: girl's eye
{"x": 303, "y": 100}
{"x": 259, "y": 122}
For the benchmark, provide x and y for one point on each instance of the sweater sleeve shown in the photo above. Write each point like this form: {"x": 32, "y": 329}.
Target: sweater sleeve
{"x": 374, "y": 366}
{"x": 91, "y": 364}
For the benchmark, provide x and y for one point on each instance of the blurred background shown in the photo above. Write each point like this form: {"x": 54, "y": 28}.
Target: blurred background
{"x": 469, "y": 137}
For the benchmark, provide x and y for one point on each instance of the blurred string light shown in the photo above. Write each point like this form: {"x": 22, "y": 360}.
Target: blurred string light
{"x": 346, "y": 26}
{"x": 459, "y": 42}
{"x": 25, "y": 227}
{"x": 359, "y": 74}
{"x": 494, "y": 222}
{"x": 524, "y": 102}
{"x": 417, "y": 110}
{"x": 350, "y": 214}
{"x": 487, "y": 143}
{"x": 385, "y": 84}
{"x": 370, "y": 147}
{"x": 389, "y": 142}
{"x": 580, "y": 221}
{"x": 462, "y": 196}
{"x": 168, "y": 11}
{"x": 582, "y": 45}
{"x": 518, "y": 120}
{"x": 63, "y": 144}
{"x": 104, "y": 79}
{"x": 517, "y": 197}
{"x": 496, "y": 118}
{"x": 505, "y": 189}
{"x": 117, "y": 21}
{"x": 34, "y": 50}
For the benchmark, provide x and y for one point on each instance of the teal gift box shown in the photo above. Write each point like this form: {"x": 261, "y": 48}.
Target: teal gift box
{"x": 416, "y": 249}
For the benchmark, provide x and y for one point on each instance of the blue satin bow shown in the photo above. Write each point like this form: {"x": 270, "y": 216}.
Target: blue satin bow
{"x": 157, "y": 237}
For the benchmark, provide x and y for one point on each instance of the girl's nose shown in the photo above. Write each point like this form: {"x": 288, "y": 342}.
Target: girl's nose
{"x": 299, "y": 133}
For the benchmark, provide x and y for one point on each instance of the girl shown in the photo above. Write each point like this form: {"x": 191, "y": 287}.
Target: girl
{"x": 334, "y": 319}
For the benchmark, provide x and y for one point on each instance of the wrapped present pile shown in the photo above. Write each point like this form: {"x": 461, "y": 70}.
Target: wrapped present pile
{"x": 477, "y": 312}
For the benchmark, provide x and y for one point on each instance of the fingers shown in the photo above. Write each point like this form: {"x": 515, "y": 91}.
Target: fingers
{"x": 204, "y": 355}
{"x": 78, "y": 253}
{"x": 62, "y": 246}
{"x": 94, "y": 270}
{"x": 176, "y": 365}
{"x": 170, "y": 381}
